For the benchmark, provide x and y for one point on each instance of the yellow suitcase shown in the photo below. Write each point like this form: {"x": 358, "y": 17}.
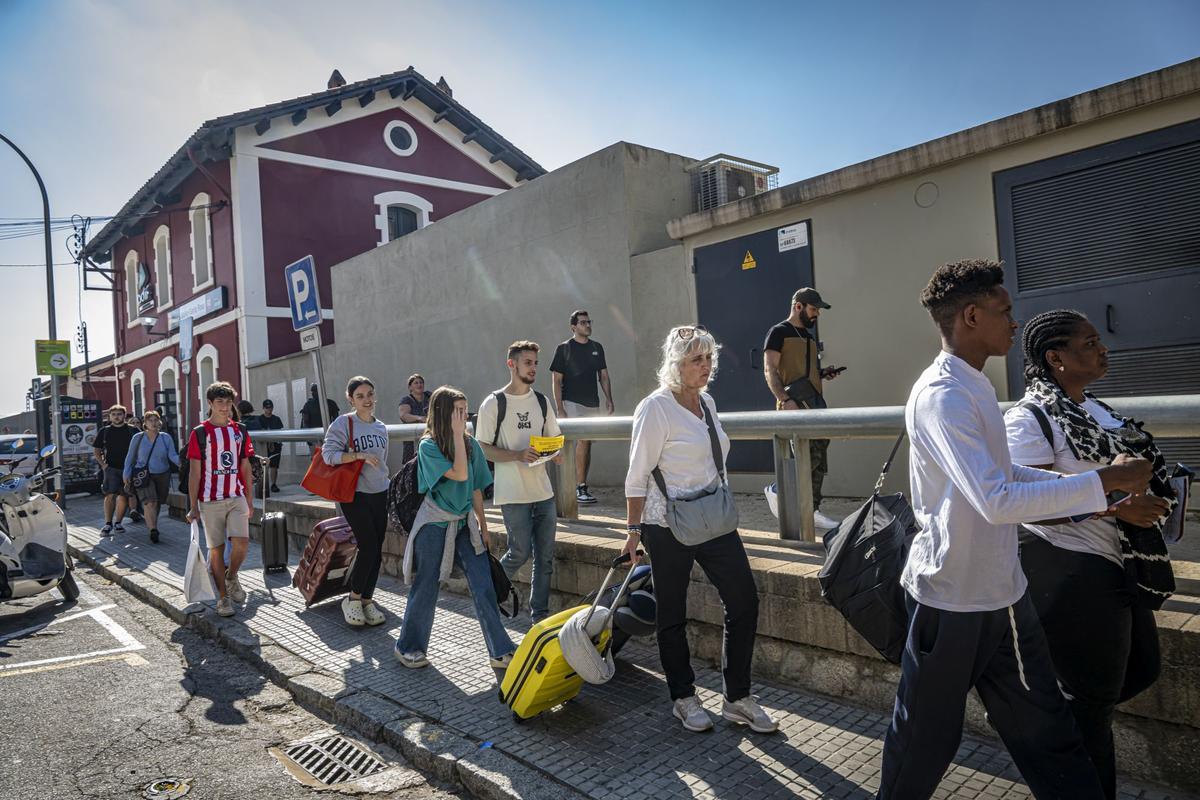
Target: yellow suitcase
{"x": 539, "y": 677}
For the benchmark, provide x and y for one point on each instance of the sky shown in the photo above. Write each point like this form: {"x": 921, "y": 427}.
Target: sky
{"x": 100, "y": 94}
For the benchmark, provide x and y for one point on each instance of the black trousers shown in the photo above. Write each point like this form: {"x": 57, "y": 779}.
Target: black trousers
{"x": 949, "y": 652}
{"x": 367, "y": 515}
{"x": 724, "y": 562}
{"x": 1104, "y": 646}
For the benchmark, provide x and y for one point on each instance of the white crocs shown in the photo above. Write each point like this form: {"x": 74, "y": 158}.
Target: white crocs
{"x": 352, "y": 610}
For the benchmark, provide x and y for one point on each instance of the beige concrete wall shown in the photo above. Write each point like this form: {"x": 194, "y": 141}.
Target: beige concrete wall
{"x": 447, "y": 300}
{"x": 873, "y": 251}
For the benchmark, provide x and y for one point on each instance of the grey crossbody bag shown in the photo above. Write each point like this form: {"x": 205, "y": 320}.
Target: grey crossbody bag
{"x": 709, "y": 513}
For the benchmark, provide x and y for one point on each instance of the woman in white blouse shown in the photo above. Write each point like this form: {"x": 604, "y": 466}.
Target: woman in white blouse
{"x": 670, "y": 432}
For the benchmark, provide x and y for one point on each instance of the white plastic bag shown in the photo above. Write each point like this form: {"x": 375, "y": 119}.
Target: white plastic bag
{"x": 197, "y": 582}
{"x": 772, "y": 494}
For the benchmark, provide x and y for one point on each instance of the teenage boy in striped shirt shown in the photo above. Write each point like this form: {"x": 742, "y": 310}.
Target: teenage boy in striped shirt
{"x": 218, "y": 483}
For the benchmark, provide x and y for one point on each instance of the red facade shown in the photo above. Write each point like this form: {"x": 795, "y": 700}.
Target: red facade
{"x": 315, "y": 193}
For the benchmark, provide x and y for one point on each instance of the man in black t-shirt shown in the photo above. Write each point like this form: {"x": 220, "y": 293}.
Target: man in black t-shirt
{"x": 310, "y": 414}
{"x": 792, "y": 357}
{"x": 577, "y": 366}
{"x": 111, "y": 447}
{"x": 274, "y": 450}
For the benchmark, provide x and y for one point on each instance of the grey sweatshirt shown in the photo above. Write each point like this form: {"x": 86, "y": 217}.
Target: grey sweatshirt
{"x": 369, "y": 437}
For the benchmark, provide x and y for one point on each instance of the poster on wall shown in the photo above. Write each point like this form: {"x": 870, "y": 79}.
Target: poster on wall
{"x": 80, "y": 422}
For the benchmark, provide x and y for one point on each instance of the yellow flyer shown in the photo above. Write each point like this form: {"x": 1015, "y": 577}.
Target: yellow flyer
{"x": 548, "y": 446}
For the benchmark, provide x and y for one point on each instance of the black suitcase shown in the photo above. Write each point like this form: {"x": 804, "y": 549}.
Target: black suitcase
{"x": 274, "y": 533}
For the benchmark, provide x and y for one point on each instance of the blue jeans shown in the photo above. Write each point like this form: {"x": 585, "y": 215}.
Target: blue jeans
{"x": 422, "y": 597}
{"x": 531, "y": 525}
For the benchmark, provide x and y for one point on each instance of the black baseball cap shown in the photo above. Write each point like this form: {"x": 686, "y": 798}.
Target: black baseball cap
{"x": 809, "y": 296}
{"x": 267, "y": 404}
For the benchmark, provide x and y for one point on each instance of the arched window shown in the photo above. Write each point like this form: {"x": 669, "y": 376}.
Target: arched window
{"x": 162, "y": 267}
{"x": 131, "y": 300}
{"x": 137, "y": 391}
{"x": 202, "y": 256}
{"x": 399, "y": 214}
{"x": 207, "y": 366}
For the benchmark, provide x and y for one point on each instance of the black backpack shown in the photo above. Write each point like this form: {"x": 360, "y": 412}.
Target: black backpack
{"x": 502, "y": 409}
{"x": 403, "y": 499}
{"x": 864, "y": 558}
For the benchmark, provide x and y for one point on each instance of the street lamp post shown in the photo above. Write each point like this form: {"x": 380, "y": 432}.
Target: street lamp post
{"x": 55, "y": 422}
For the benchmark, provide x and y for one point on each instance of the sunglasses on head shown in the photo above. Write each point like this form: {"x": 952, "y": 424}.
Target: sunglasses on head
{"x": 688, "y": 331}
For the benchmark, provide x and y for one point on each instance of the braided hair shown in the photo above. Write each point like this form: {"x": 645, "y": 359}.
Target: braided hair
{"x": 1047, "y": 331}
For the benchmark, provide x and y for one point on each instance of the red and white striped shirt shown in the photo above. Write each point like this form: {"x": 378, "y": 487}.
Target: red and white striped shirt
{"x": 226, "y": 447}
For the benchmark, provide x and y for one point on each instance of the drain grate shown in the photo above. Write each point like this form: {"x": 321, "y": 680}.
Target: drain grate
{"x": 333, "y": 759}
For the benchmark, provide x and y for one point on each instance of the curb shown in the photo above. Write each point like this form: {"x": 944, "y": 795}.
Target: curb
{"x": 429, "y": 746}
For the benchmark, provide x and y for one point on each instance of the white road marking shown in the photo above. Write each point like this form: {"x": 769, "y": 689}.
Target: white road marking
{"x": 128, "y": 642}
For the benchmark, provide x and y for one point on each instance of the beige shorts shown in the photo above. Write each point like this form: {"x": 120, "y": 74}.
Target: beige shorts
{"x": 576, "y": 410}
{"x": 222, "y": 518}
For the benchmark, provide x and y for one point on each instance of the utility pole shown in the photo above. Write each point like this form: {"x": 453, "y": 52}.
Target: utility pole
{"x": 55, "y": 421}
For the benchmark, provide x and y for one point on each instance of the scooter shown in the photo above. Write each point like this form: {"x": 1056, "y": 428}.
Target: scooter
{"x": 33, "y": 537}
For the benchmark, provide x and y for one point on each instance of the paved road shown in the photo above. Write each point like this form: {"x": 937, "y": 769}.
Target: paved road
{"x": 101, "y": 697}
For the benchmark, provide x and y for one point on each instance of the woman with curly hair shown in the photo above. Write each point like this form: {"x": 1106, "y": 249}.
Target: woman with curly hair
{"x": 1095, "y": 582}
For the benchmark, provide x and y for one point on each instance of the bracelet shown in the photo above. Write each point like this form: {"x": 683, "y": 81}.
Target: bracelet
{"x": 635, "y": 528}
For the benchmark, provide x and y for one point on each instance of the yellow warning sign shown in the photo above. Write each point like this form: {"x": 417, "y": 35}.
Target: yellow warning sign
{"x": 748, "y": 262}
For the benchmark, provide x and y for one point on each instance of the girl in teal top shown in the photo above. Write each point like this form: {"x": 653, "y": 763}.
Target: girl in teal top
{"x": 450, "y": 529}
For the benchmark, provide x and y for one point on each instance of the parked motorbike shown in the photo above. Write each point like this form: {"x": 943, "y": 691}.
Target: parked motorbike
{"x": 33, "y": 537}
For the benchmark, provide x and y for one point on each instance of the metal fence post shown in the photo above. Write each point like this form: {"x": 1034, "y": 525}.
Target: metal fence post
{"x": 564, "y": 489}
{"x": 789, "y": 509}
{"x": 804, "y": 493}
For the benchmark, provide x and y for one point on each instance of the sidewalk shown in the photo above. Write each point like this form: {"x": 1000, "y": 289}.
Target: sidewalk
{"x": 613, "y": 741}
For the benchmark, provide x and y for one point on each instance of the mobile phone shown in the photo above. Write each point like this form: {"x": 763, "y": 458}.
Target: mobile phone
{"x": 835, "y": 370}
{"x": 1115, "y": 498}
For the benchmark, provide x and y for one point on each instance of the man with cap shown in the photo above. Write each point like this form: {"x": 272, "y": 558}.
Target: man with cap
{"x": 270, "y": 422}
{"x": 792, "y": 367}
{"x": 310, "y": 414}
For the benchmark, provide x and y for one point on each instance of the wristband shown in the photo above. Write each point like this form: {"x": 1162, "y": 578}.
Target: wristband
{"x": 635, "y": 528}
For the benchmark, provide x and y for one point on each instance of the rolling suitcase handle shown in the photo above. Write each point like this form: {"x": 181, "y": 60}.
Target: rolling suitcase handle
{"x": 618, "y": 561}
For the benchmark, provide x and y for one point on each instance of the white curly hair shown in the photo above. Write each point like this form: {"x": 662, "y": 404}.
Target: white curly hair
{"x": 676, "y": 350}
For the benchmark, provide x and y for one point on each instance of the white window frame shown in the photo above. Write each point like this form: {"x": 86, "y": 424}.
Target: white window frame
{"x": 169, "y": 363}
{"x": 201, "y": 199}
{"x": 210, "y": 353}
{"x": 137, "y": 393}
{"x": 415, "y": 203}
{"x": 163, "y": 281}
{"x": 387, "y": 138}
{"x": 131, "y": 265}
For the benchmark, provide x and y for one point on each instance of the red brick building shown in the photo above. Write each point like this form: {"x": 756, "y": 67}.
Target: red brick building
{"x": 330, "y": 175}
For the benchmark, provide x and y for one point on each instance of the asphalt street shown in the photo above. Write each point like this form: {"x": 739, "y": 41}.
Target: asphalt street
{"x": 102, "y": 697}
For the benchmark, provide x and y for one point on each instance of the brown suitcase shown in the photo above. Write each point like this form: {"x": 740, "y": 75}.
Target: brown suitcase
{"x": 324, "y": 569}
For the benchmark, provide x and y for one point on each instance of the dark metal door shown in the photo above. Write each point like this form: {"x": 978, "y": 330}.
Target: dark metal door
{"x": 1114, "y": 231}
{"x": 743, "y": 287}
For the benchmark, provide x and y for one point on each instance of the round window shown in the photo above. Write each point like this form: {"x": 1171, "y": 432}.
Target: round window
{"x": 400, "y": 138}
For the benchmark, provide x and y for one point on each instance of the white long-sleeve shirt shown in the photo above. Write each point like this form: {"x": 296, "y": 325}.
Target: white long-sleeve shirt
{"x": 968, "y": 496}
{"x": 668, "y": 436}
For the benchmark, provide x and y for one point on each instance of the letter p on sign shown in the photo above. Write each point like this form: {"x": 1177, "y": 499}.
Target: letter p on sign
{"x": 302, "y": 293}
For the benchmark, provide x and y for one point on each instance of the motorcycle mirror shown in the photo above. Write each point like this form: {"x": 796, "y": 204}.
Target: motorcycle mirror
{"x": 47, "y": 451}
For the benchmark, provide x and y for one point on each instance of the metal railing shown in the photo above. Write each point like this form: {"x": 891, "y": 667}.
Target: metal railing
{"x": 1167, "y": 417}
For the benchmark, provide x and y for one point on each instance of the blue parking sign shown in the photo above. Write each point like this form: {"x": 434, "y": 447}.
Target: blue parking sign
{"x": 301, "y": 280}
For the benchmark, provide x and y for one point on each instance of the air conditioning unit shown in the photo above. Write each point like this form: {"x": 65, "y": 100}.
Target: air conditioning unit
{"x": 723, "y": 179}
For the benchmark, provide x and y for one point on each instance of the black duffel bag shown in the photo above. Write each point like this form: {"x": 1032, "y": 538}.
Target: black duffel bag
{"x": 864, "y": 557}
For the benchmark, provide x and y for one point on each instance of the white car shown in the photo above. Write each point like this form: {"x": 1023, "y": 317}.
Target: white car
{"x": 18, "y": 453}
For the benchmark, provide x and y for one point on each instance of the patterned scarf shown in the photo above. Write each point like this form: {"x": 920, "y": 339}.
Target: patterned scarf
{"x": 1143, "y": 549}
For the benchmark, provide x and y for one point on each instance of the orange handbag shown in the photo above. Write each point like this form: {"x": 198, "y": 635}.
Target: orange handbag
{"x": 336, "y": 483}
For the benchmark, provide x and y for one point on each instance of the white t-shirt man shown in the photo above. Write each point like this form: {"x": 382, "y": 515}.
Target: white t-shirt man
{"x": 516, "y": 481}
{"x": 1028, "y": 446}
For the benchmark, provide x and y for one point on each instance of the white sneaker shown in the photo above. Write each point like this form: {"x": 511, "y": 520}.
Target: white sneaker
{"x": 236, "y": 593}
{"x": 413, "y": 660}
{"x": 372, "y": 614}
{"x": 823, "y": 522}
{"x": 225, "y": 607}
{"x": 693, "y": 716}
{"x": 748, "y": 712}
{"x": 502, "y": 662}
{"x": 352, "y": 610}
